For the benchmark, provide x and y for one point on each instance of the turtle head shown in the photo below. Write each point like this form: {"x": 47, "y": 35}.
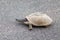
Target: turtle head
{"x": 21, "y": 20}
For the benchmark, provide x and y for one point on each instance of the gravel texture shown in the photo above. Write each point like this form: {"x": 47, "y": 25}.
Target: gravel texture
{"x": 12, "y": 9}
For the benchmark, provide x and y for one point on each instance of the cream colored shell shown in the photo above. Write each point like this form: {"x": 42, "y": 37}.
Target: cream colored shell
{"x": 39, "y": 19}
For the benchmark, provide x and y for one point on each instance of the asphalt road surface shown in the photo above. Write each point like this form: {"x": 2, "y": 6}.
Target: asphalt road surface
{"x": 12, "y": 9}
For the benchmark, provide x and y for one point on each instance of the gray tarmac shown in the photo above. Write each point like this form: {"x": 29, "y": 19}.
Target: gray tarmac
{"x": 12, "y": 9}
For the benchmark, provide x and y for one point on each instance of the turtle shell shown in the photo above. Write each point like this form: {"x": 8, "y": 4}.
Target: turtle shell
{"x": 39, "y": 19}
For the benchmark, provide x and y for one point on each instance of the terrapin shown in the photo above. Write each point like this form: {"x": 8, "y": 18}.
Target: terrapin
{"x": 36, "y": 19}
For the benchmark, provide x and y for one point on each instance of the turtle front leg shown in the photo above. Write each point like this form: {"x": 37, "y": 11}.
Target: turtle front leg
{"x": 30, "y": 26}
